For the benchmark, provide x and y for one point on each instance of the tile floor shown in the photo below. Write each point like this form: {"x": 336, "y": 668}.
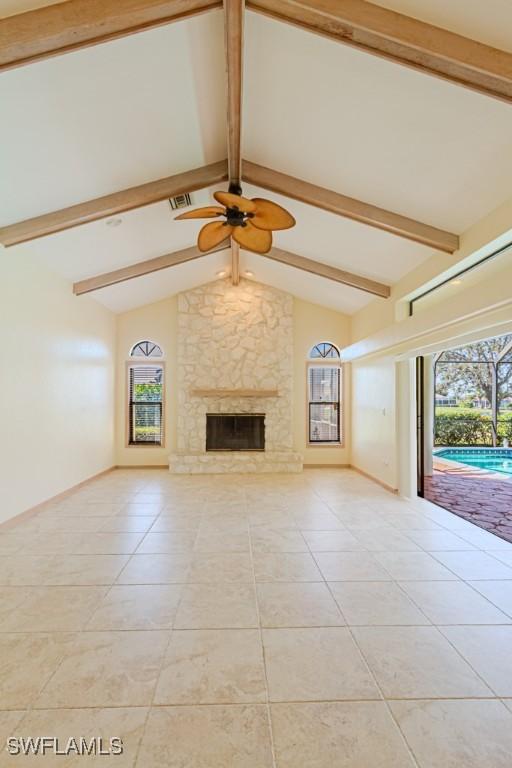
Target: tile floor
{"x": 256, "y": 622}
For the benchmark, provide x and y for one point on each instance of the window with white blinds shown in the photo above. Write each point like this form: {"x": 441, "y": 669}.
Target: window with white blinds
{"x": 324, "y": 387}
{"x": 145, "y": 404}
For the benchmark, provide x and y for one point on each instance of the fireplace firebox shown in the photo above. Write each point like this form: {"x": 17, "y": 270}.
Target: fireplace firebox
{"x": 235, "y": 431}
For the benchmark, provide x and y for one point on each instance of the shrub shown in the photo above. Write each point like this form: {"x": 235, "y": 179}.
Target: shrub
{"x": 465, "y": 426}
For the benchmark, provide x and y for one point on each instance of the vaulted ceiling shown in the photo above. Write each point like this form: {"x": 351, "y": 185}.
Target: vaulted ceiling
{"x": 101, "y": 119}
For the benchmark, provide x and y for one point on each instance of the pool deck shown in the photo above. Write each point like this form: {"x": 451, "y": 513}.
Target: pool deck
{"x": 482, "y": 497}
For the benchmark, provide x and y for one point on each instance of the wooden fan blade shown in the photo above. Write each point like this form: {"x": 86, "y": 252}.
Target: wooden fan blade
{"x": 235, "y": 201}
{"x": 212, "y": 234}
{"x": 252, "y": 239}
{"x": 209, "y": 212}
{"x": 269, "y": 215}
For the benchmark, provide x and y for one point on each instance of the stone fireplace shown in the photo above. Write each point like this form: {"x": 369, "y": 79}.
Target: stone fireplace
{"x": 235, "y": 431}
{"x": 235, "y": 355}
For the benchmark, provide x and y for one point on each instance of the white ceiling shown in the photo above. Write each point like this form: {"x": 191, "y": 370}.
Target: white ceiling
{"x": 112, "y": 116}
{"x": 488, "y": 21}
{"x": 372, "y": 129}
{"x": 142, "y": 107}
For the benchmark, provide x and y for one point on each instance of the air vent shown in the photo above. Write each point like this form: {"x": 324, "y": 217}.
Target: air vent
{"x": 180, "y": 201}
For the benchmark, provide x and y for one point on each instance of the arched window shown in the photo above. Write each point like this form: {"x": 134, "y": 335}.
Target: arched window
{"x": 146, "y": 349}
{"x": 146, "y": 396}
{"x": 323, "y": 350}
{"x": 324, "y": 394}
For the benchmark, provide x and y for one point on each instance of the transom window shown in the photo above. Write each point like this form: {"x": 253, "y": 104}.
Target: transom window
{"x": 324, "y": 395}
{"x": 146, "y": 349}
{"x": 146, "y": 396}
{"x": 324, "y": 349}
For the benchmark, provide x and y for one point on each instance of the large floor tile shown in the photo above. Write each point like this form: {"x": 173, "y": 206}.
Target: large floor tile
{"x": 27, "y": 661}
{"x": 217, "y": 606}
{"x": 456, "y": 734}
{"x": 297, "y": 605}
{"x": 337, "y": 735}
{"x": 439, "y": 541}
{"x": 453, "y": 602}
{"x": 126, "y": 724}
{"x": 167, "y": 543}
{"x": 54, "y": 609}
{"x": 212, "y": 666}
{"x": 105, "y": 669}
{"x": 266, "y": 539}
{"x": 137, "y": 606}
{"x": 375, "y": 603}
{"x": 350, "y": 566}
{"x": 167, "y": 523}
{"x": 474, "y": 565}
{"x": 9, "y": 720}
{"x": 404, "y": 566}
{"x": 285, "y": 566}
{"x": 156, "y": 569}
{"x": 315, "y": 664}
{"x": 220, "y": 567}
{"x": 386, "y": 539}
{"x": 489, "y": 651}
{"x": 142, "y": 508}
{"x": 237, "y": 736}
{"x": 417, "y": 662}
{"x": 498, "y": 592}
{"x": 128, "y": 524}
{"x": 311, "y": 521}
{"x": 224, "y": 541}
{"x": 332, "y": 541}
{"x": 103, "y": 543}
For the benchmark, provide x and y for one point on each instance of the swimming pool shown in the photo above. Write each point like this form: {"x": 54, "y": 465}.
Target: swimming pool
{"x": 491, "y": 459}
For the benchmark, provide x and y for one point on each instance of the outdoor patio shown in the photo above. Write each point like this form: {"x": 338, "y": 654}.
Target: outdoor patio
{"x": 483, "y": 499}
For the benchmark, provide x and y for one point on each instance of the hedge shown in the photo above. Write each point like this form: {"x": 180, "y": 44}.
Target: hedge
{"x": 467, "y": 426}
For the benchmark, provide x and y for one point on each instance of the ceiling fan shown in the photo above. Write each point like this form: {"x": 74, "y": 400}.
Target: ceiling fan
{"x": 249, "y": 222}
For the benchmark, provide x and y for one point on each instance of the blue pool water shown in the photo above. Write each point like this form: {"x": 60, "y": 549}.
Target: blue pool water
{"x": 492, "y": 459}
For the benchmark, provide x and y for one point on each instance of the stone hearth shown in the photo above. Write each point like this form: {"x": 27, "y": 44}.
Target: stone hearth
{"x": 233, "y": 343}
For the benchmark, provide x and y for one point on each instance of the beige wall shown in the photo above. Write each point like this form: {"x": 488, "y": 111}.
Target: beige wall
{"x": 385, "y": 340}
{"x": 159, "y": 322}
{"x": 486, "y": 236}
{"x": 57, "y": 385}
{"x": 374, "y": 418}
{"x": 156, "y": 322}
{"x": 311, "y": 324}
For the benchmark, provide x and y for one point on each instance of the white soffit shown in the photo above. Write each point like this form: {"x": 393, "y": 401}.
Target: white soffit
{"x": 105, "y": 118}
{"x": 372, "y": 129}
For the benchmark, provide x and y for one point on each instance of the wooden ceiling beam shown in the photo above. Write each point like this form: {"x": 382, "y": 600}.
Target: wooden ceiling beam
{"x": 109, "y": 205}
{"x": 329, "y": 272}
{"x": 234, "y": 41}
{"x": 140, "y": 269}
{"x": 234, "y": 11}
{"x": 402, "y": 39}
{"x": 350, "y": 208}
{"x": 66, "y": 26}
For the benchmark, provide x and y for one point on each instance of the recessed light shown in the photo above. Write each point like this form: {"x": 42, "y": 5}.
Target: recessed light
{"x": 222, "y": 273}
{"x": 456, "y": 282}
{"x": 248, "y": 273}
{"x": 113, "y": 222}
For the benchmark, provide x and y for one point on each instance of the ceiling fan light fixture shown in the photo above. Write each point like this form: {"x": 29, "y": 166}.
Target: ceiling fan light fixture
{"x": 249, "y": 222}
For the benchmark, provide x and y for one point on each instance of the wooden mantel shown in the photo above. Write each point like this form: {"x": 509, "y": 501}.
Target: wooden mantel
{"x": 234, "y": 392}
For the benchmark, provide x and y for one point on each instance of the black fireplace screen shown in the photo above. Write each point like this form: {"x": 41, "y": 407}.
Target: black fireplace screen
{"x": 235, "y": 431}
